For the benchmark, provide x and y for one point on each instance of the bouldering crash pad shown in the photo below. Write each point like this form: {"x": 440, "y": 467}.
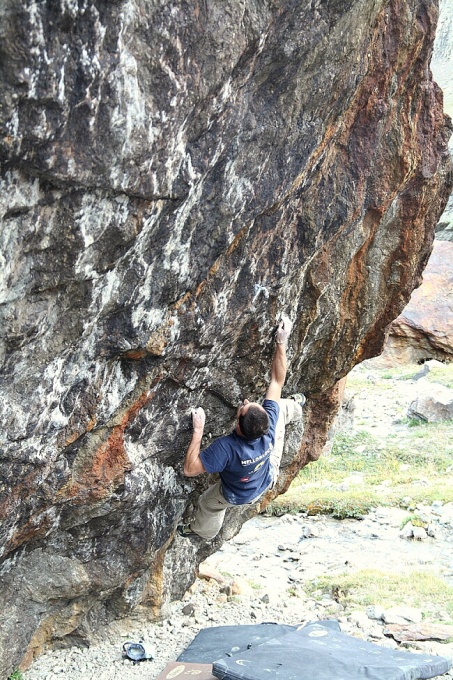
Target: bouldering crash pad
{"x": 318, "y": 651}
{"x": 211, "y": 644}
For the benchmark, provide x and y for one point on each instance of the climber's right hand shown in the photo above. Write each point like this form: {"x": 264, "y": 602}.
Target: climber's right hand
{"x": 198, "y": 419}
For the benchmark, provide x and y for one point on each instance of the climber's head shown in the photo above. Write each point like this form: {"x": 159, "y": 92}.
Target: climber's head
{"x": 252, "y": 420}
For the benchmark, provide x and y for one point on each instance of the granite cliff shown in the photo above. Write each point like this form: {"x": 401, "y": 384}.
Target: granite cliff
{"x": 174, "y": 175}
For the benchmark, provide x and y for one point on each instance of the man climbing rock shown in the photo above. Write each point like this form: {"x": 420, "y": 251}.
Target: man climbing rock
{"x": 248, "y": 459}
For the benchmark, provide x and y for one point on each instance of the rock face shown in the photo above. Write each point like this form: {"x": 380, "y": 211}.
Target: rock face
{"x": 424, "y": 329}
{"x": 174, "y": 175}
{"x": 442, "y": 66}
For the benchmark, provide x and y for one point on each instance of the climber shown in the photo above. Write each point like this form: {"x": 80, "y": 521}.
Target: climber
{"x": 248, "y": 459}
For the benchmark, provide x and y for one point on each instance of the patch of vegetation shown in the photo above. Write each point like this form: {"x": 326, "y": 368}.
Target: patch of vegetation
{"x": 356, "y": 502}
{"x": 414, "y": 422}
{"x": 316, "y": 501}
{"x": 416, "y": 461}
{"x": 442, "y": 374}
{"x": 372, "y": 586}
{"x": 16, "y": 675}
{"x": 401, "y": 372}
{"x": 415, "y": 520}
{"x": 439, "y": 373}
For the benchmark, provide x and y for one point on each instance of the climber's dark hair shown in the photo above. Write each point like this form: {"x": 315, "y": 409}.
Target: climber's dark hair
{"x": 254, "y": 423}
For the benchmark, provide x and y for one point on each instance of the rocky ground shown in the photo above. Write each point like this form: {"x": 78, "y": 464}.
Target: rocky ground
{"x": 261, "y": 576}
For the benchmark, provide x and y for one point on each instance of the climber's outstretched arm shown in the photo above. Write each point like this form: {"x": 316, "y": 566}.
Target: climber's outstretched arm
{"x": 278, "y": 367}
{"x": 192, "y": 462}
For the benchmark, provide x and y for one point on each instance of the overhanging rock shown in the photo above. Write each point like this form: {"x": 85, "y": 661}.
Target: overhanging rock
{"x": 174, "y": 175}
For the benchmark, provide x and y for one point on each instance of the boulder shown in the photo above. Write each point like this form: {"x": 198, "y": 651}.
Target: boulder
{"x": 434, "y": 403}
{"x": 174, "y": 177}
{"x": 402, "y": 615}
{"x": 424, "y": 329}
{"x": 375, "y": 611}
{"x": 419, "y": 631}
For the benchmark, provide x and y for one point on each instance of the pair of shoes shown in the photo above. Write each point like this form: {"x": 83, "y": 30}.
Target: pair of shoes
{"x": 186, "y": 531}
{"x": 299, "y": 398}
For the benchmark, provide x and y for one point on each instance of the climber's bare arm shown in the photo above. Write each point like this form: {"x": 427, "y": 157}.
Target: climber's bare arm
{"x": 278, "y": 367}
{"x": 193, "y": 465}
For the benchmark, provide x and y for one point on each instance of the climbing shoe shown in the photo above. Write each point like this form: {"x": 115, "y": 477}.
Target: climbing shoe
{"x": 186, "y": 531}
{"x": 299, "y": 398}
{"x": 138, "y": 651}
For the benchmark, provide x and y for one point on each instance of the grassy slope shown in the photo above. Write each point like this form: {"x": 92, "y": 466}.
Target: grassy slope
{"x": 403, "y": 464}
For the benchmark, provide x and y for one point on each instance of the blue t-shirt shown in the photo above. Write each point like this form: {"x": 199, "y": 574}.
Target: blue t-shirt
{"x": 243, "y": 464}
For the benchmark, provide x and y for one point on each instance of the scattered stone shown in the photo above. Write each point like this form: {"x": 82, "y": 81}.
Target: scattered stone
{"x": 359, "y": 618}
{"x": 376, "y": 632}
{"x": 389, "y": 643}
{"x": 188, "y": 610}
{"x": 437, "y": 507}
{"x": 419, "y": 533}
{"x": 241, "y": 587}
{"x": 402, "y": 615}
{"x": 227, "y": 589}
{"x": 419, "y": 631}
{"x": 407, "y": 502}
{"x": 208, "y": 573}
{"x": 447, "y": 514}
{"x": 222, "y": 597}
{"x": 407, "y": 531}
{"x": 375, "y": 611}
{"x": 309, "y": 532}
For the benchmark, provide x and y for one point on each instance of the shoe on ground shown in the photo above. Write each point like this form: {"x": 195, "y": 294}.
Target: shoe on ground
{"x": 299, "y": 398}
{"x": 138, "y": 651}
{"x": 185, "y": 531}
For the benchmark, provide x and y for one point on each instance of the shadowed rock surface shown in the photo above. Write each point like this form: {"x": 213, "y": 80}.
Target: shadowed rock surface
{"x": 174, "y": 175}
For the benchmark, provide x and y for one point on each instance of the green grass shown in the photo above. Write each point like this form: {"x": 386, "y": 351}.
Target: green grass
{"x": 415, "y": 461}
{"x": 414, "y": 465}
{"x": 415, "y": 521}
{"x": 442, "y": 374}
{"x": 438, "y": 373}
{"x": 16, "y": 675}
{"x": 372, "y": 586}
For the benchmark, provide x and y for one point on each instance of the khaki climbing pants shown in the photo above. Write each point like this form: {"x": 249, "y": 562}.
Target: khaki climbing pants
{"x": 212, "y": 505}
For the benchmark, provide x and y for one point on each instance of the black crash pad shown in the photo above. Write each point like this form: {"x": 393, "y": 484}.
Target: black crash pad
{"x": 319, "y": 652}
{"x": 211, "y": 644}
